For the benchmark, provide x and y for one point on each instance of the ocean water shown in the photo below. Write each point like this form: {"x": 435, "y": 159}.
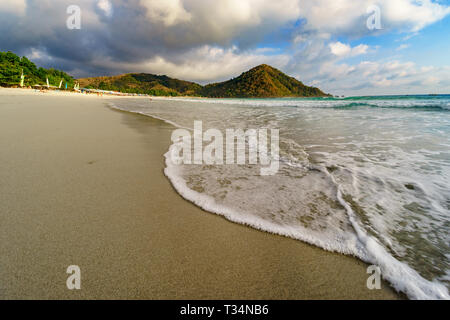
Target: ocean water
{"x": 364, "y": 176}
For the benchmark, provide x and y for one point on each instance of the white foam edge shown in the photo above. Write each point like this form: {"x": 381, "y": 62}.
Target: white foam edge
{"x": 401, "y": 276}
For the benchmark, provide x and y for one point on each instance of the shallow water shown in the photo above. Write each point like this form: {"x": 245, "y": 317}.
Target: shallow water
{"x": 367, "y": 176}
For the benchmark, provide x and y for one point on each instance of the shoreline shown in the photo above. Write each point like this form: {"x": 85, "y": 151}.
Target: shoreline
{"x": 84, "y": 185}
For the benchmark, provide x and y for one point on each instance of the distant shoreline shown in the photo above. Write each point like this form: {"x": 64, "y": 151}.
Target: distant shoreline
{"x": 70, "y": 92}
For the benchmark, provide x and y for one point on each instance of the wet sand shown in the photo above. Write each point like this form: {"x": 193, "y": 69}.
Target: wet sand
{"x": 81, "y": 184}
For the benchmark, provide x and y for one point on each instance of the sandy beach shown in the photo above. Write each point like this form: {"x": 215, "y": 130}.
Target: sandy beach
{"x": 82, "y": 184}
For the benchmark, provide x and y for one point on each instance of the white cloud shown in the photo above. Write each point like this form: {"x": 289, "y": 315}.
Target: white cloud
{"x": 340, "y": 49}
{"x": 106, "y": 7}
{"x": 349, "y": 16}
{"x": 17, "y": 7}
{"x": 36, "y": 54}
{"x": 344, "y": 50}
{"x": 431, "y": 81}
{"x": 360, "y": 49}
{"x": 403, "y": 47}
{"x": 415, "y": 14}
{"x": 168, "y": 12}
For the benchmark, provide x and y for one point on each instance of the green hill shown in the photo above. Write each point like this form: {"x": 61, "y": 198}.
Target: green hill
{"x": 11, "y": 67}
{"x": 261, "y": 82}
{"x": 143, "y": 83}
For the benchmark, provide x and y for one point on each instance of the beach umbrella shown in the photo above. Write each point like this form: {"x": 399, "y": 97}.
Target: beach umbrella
{"x": 22, "y": 79}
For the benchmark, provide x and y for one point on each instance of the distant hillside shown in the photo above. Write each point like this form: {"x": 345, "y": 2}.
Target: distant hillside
{"x": 11, "y": 67}
{"x": 143, "y": 83}
{"x": 262, "y": 82}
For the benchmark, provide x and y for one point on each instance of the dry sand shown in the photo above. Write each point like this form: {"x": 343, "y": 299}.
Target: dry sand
{"x": 81, "y": 184}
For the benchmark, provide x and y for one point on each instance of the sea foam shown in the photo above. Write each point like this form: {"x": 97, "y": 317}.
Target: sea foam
{"x": 363, "y": 188}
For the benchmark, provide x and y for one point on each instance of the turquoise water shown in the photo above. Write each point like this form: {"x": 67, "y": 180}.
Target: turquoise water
{"x": 366, "y": 176}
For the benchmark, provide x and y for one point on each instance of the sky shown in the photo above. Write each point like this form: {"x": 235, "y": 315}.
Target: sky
{"x": 344, "y": 47}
